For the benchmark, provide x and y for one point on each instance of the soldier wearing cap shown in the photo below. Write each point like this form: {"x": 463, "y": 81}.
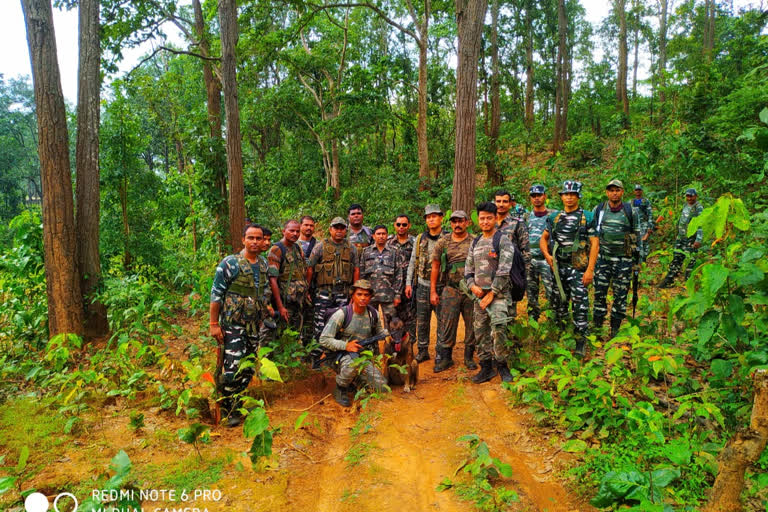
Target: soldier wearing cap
{"x": 572, "y": 256}
{"x": 536, "y": 221}
{"x": 333, "y": 264}
{"x": 511, "y": 223}
{"x": 647, "y": 224}
{"x": 685, "y": 246}
{"x": 448, "y": 259}
{"x": 618, "y": 229}
{"x": 348, "y": 326}
{"x": 382, "y": 266}
{"x": 403, "y": 241}
{"x": 419, "y": 274}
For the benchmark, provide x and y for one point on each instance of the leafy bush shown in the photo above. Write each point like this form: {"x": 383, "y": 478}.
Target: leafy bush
{"x": 583, "y": 149}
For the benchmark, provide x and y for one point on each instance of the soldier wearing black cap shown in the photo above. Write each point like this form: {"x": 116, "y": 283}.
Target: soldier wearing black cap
{"x": 540, "y": 269}
{"x": 685, "y": 246}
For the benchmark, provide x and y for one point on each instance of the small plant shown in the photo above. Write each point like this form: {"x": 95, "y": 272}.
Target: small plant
{"x": 8, "y": 482}
{"x": 137, "y": 420}
{"x": 194, "y": 435}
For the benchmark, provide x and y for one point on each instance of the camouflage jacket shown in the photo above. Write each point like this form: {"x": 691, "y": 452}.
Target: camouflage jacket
{"x": 536, "y": 226}
{"x": 452, "y": 257}
{"x": 333, "y": 268}
{"x": 645, "y": 211}
{"x": 613, "y": 227}
{"x": 486, "y": 269}
{"x": 334, "y": 337}
{"x": 384, "y": 269}
{"x": 290, "y": 269}
{"x": 420, "y": 264}
{"x": 517, "y": 231}
{"x": 406, "y": 250}
{"x": 564, "y": 228}
{"x": 227, "y": 273}
{"x": 687, "y": 214}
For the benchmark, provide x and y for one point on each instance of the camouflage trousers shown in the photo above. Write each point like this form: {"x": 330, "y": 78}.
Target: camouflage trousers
{"x": 405, "y": 311}
{"x": 325, "y": 302}
{"x": 238, "y": 345}
{"x": 424, "y": 314}
{"x": 540, "y": 270}
{"x": 452, "y": 304}
{"x": 370, "y": 375}
{"x": 387, "y": 308}
{"x": 644, "y": 248}
{"x": 614, "y": 272}
{"x": 683, "y": 250}
{"x": 576, "y": 293}
{"x": 490, "y": 326}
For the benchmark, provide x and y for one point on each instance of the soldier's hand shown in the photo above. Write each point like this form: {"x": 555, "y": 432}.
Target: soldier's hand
{"x": 696, "y": 245}
{"x": 549, "y": 260}
{"x": 434, "y": 298}
{"x": 353, "y": 346}
{"x": 477, "y": 291}
{"x": 271, "y": 311}
{"x": 487, "y": 299}
{"x": 396, "y": 301}
{"x": 589, "y": 275}
{"x": 284, "y": 314}
{"x": 217, "y": 333}
{"x": 647, "y": 234}
{"x": 408, "y": 291}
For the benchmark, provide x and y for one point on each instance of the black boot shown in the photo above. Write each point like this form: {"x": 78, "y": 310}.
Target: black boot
{"x": 666, "y": 282}
{"x": 341, "y": 395}
{"x": 235, "y": 416}
{"x": 615, "y": 326}
{"x": 469, "y": 352}
{"x": 581, "y": 350}
{"x": 504, "y": 372}
{"x": 486, "y": 373}
{"x": 443, "y": 360}
{"x": 598, "y": 322}
{"x": 423, "y": 354}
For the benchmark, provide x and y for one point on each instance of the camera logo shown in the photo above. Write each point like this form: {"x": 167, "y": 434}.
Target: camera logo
{"x": 38, "y": 502}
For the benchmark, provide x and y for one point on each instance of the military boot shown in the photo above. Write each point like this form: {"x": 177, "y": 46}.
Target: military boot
{"x": 486, "y": 373}
{"x": 341, "y": 395}
{"x": 235, "y": 416}
{"x": 615, "y": 326}
{"x": 666, "y": 282}
{"x": 504, "y": 372}
{"x": 423, "y": 354}
{"x": 469, "y": 352}
{"x": 581, "y": 350}
{"x": 443, "y": 360}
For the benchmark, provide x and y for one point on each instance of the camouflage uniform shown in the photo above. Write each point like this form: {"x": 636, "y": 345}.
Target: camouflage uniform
{"x": 645, "y": 213}
{"x": 309, "y": 309}
{"x": 406, "y": 309}
{"x": 384, "y": 269}
{"x": 334, "y": 338}
{"x": 540, "y": 269}
{"x": 240, "y": 316}
{"x": 360, "y": 240}
{"x": 618, "y": 244}
{"x": 684, "y": 244}
{"x": 452, "y": 257}
{"x": 306, "y": 247}
{"x": 420, "y": 270}
{"x": 288, "y": 265}
{"x": 334, "y": 269}
{"x": 517, "y": 231}
{"x": 490, "y": 273}
{"x": 563, "y": 228}
{"x": 517, "y": 211}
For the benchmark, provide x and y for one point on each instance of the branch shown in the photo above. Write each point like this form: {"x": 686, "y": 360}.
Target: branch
{"x": 193, "y": 54}
{"x": 374, "y": 9}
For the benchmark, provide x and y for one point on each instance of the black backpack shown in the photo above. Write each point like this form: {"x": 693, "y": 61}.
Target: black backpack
{"x": 373, "y": 315}
{"x": 627, "y": 214}
{"x": 517, "y": 278}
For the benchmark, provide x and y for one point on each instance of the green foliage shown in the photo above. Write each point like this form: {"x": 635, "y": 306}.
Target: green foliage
{"x": 633, "y": 486}
{"x": 120, "y": 479}
{"x": 194, "y": 435}
{"x": 256, "y": 426}
{"x": 583, "y": 149}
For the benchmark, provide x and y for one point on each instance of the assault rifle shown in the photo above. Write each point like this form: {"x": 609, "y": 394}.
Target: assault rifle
{"x": 333, "y": 359}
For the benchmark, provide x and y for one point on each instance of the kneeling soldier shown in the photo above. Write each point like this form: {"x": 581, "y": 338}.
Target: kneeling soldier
{"x": 342, "y": 335}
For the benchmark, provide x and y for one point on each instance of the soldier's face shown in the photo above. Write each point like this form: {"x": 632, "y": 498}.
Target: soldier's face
{"x": 538, "y": 200}
{"x": 570, "y": 199}
{"x": 291, "y": 232}
{"x": 266, "y": 243}
{"x": 503, "y": 203}
{"x": 361, "y": 297}
{"x": 434, "y": 220}
{"x": 253, "y": 240}
{"x": 402, "y": 225}
{"x": 691, "y": 199}
{"x": 638, "y": 194}
{"x": 338, "y": 233}
{"x": 356, "y": 217}
{"x": 459, "y": 226}
{"x": 486, "y": 221}
{"x": 308, "y": 228}
{"x": 380, "y": 237}
{"x": 614, "y": 194}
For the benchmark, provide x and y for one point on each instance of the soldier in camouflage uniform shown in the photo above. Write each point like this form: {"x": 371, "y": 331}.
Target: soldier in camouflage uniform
{"x": 487, "y": 275}
{"x": 382, "y": 266}
{"x": 536, "y": 221}
{"x": 239, "y": 298}
{"x": 307, "y": 240}
{"x": 404, "y": 242}
{"x": 647, "y": 224}
{"x": 618, "y": 229}
{"x": 511, "y": 223}
{"x": 343, "y": 341}
{"x": 287, "y": 277}
{"x": 359, "y": 235}
{"x": 448, "y": 259}
{"x": 419, "y": 273}
{"x": 685, "y": 246}
{"x": 572, "y": 258}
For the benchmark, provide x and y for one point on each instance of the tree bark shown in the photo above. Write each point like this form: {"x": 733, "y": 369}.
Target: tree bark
{"x": 87, "y": 167}
{"x": 621, "y": 78}
{"x": 65, "y": 301}
{"x": 561, "y": 89}
{"x": 469, "y": 17}
{"x": 741, "y": 452}
{"x": 529, "y": 66}
{"x": 229, "y": 37}
{"x": 421, "y": 123}
{"x": 662, "y": 65}
{"x": 708, "y": 43}
{"x": 494, "y": 176}
{"x": 635, "y": 44}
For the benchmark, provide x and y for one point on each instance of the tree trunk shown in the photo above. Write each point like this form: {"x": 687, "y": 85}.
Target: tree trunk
{"x": 65, "y": 301}
{"x": 636, "y": 45}
{"x": 561, "y": 89}
{"x": 87, "y": 167}
{"x": 741, "y": 452}
{"x": 662, "y": 71}
{"x": 421, "y": 123}
{"x": 229, "y": 36}
{"x": 709, "y": 30}
{"x": 621, "y": 78}
{"x": 529, "y": 66}
{"x": 494, "y": 176}
{"x": 335, "y": 183}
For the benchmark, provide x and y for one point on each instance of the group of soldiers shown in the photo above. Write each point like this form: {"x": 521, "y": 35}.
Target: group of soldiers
{"x": 332, "y": 290}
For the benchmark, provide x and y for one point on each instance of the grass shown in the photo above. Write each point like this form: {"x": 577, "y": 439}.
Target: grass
{"x": 187, "y": 473}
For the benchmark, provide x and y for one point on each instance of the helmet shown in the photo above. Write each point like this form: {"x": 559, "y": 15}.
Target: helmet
{"x": 571, "y": 186}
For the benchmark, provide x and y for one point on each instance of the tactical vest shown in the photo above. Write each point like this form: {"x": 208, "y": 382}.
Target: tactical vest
{"x": 336, "y": 266}
{"x": 293, "y": 270}
{"x": 579, "y": 251}
{"x": 243, "y": 304}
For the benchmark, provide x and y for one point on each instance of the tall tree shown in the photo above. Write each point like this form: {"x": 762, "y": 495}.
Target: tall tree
{"x": 622, "y": 97}
{"x": 469, "y": 17}
{"x": 528, "y": 37}
{"x": 662, "y": 64}
{"x": 229, "y": 37}
{"x": 494, "y": 176}
{"x": 65, "y": 301}
{"x": 87, "y": 166}
{"x": 562, "y": 86}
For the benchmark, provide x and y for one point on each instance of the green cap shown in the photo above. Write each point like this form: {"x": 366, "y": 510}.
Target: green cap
{"x": 363, "y": 284}
{"x": 338, "y": 221}
{"x": 615, "y": 183}
{"x": 433, "y": 208}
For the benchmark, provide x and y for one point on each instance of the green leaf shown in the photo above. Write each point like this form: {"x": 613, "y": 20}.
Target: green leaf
{"x": 255, "y": 423}
{"x": 7, "y": 483}
{"x": 504, "y": 469}
{"x": 23, "y": 457}
{"x": 269, "y": 370}
{"x": 708, "y": 325}
{"x": 664, "y": 477}
{"x": 120, "y": 463}
{"x": 713, "y": 278}
{"x": 736, "y": 308}
{"x": 721, "y": 369}
{"x": 764, "y": 115}
{"x": 613, "y": 355}
{"x": 574, "y": 446}
{"x": 678, "y": 452}
{"x": 300, "y": 420}
{"x": 444, "y": 485}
